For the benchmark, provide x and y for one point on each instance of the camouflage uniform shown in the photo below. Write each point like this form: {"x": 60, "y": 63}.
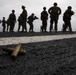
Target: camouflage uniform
{"x": 31, "y": 18}
{"x": 44, "y": 18}
{"x": 24, "y": 18}
{"x": 67, "y": 18}
{"x": 12, "y": 19}
{"x": 19, "y": 22}
{"x": 54, "y": 16}
{"x": 4, "y": 24}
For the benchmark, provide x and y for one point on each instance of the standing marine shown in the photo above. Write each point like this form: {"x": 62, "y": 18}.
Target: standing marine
{"x": 67, "y": 18}
{"x": 12, "y": 19}
{"x": 4, "y": 24}
{"x": 54, "y": 12}
{"x": 19, "y": 22}
{"x": 24, "y": 19}
{"x": 44, "y": 18}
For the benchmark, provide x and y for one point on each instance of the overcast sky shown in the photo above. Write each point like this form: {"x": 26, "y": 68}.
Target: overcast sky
{"x": 36, "y": 6}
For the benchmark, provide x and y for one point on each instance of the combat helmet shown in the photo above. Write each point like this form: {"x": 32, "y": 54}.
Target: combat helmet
{"x": 23, "y": 6}
{"x": 69, "y": 7}
{"x": 55, "y": 4}
{"x": 44, "y": 7}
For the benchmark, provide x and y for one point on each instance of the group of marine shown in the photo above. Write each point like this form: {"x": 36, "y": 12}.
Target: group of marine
{"x": 54, "y": 12}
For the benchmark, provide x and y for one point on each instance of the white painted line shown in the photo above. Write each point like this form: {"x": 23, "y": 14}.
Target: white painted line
{"x": 17, "y": 40}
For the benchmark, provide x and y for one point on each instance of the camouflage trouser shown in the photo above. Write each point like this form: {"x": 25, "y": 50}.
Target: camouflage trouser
{"x": 24, "y": 26}
{"x": 51, "y": 24}
{"x": 67, "y": 24}
{"x": 12, "y": 25}
{"x": 4, "y": 28}
{"x": 19, "y": 25}
{"x": 44, "y": 25}
{"x": 31, "y": 26}
{"x": 8, "y": 27}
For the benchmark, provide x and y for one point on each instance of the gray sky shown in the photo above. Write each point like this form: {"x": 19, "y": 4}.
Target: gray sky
{"x": 36, "y": 6}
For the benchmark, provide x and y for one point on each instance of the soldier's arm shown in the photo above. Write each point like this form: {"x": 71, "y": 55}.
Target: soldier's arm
{"x": 59, "y": 11}
{"x": 49, "y": 10}
{"x": 72, "y": 12}
{"x": 15, "y": 18}
{"x": 25, "y": 13}
{"x": 36, "y": 17}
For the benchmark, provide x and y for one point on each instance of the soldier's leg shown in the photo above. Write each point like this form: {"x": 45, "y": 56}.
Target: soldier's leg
{"x": 66, "y": 25}
{"x": 45, "y": 25}
{"x": 29, "y": 29}
{"x": 3, "y": 29}
{"x": 32, "y": 27}
{"x": 13, "y": 25}
{"x": 10, "y": 27}
{"x": 42, "y": 27}
{"x": 7, "y": 27}
{"x": 51, "y": 24}
{"x": 70, "y": 28}
{"x": 25, "y": 26}
{"x": 56, "y": 21}
{"x": 22, "y": 28}
{"x": 63, "y": 26}
{"x": 18, "y": 26}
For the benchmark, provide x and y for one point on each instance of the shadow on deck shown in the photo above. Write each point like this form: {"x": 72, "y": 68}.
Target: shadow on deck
{"x": 18, "y": 34}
